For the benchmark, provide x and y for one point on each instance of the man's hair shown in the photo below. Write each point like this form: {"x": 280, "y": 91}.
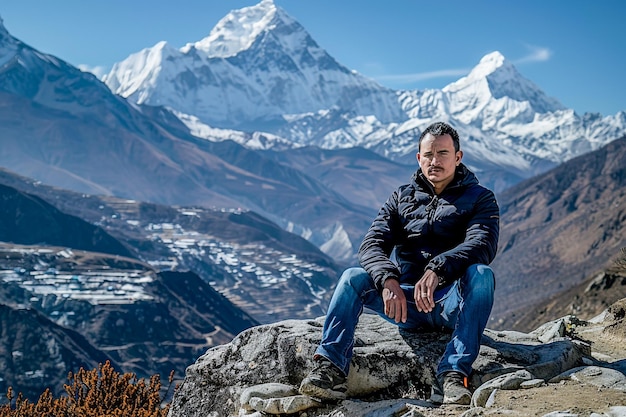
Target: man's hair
{"x": 441, "y": 128}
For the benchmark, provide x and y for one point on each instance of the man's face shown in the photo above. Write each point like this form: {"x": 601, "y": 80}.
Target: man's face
{"x": 438, "y": 160}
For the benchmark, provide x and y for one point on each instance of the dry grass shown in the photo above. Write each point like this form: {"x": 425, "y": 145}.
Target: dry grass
{"x": 95, "y": 393}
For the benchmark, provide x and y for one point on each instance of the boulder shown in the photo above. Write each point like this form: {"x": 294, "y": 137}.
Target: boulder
{"x": 389, "y": 367}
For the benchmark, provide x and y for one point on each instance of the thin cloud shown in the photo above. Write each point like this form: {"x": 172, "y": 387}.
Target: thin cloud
{"x": 537, "y": 54}
{"x": 421, "y": 76}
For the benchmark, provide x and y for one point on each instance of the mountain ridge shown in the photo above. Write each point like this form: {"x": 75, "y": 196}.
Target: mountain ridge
{"x": 503, "y": 115}
{"x": 244, "y": 86}
{"x": 560, "y": 227}
{"x": 144, "y": 153}
{"x": 494, "y": 74}
{"x": 37, "y": 353}
{"x": 27, "y": 219}
{"x": 230, "y": 249}
{"x": 128, "y": 154}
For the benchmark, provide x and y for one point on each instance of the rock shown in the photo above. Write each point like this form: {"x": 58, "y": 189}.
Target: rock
{"x": 385, "y": 408}
{"x": 388, "y": 366}
{"x": 595, "y": 375}
{"x": 550, "y": 331}
{"x": 273, "y": 398}
{"x": 270, "y": 390}
{"x": 533, "y": 383}
{"x": 618, "y": 411}
{"x": 509, "y": 351}
{"x": 284, "y": 405}
{"x": 507, "y": 381}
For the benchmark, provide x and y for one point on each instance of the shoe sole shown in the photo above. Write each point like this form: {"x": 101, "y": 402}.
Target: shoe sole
{"x": 321, "y": 393}
{"x": 464, "y": 399}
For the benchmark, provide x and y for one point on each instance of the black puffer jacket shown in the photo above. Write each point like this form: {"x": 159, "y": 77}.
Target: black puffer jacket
{"x": 445, "y": 233}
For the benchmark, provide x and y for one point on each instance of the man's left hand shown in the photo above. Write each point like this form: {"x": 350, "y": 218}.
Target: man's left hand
{"x": 425, "y": 291}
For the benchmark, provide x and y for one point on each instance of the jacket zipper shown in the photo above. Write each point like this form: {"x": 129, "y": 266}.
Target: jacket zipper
{"x": 431, "y": 209}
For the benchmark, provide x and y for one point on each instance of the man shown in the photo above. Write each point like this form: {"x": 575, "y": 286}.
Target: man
{"x": 443, "y": 229}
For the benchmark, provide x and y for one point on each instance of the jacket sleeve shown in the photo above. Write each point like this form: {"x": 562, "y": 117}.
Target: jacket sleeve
{"x": 375, "y": 250}
{"x": 480, "y": 243}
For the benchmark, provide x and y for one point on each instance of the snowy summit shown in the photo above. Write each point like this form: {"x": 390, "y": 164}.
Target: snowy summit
{"x": 260, "y": 71}
{"x": 238, "y": 30}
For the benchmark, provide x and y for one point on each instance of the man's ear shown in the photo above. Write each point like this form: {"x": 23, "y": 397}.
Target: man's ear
{"x": 417, "y": 156}
{"x": 459, "y": 156}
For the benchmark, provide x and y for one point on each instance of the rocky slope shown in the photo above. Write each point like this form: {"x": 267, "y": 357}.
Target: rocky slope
{"x": 118, "y": 308}
{"x": 36, "y": 353}
{"x": 27, "y": 219}
{"x": 560, "y": 228}
{"x": 249, "y": 259}
{"x": 565, "y": 367}
{"x": 139, "y": 306}
{"x": 585, "y": 300}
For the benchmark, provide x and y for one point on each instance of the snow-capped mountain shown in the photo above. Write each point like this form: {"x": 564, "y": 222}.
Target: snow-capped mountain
{"x": 257, "y": 64}
{"x": 90, "y": 140}
{"x": 66, "y": 128}
{"x": 492, "y": 86}
{"x": 260, "y": 70}
{"x": 29, "y": 73}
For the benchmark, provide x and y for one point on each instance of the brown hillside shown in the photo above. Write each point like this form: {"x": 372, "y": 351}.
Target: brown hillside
{"x": 558, "y": 229}
{"x": 585, "y": 300}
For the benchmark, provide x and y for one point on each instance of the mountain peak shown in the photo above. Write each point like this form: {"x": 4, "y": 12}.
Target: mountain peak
{"x": 4, "y": 33}
{"x": 491, "y": 62}
{"x": 237, "y": 31}
{"x": 494, "y": 78}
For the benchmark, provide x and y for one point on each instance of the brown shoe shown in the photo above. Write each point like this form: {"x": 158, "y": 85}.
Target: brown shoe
{"x": 325, "y": 382}
{"x": 451, "y": 388}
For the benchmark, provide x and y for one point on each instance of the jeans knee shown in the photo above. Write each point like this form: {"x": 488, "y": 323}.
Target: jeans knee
{"x": 356, "y": 278}
{"x": 480, "y": 277}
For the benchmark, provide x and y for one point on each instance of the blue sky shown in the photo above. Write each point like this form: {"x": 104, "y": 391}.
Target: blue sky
{"x": 573, "y": 50}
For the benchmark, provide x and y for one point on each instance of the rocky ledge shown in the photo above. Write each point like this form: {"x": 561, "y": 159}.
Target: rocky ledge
{"x": 547, "y": 372}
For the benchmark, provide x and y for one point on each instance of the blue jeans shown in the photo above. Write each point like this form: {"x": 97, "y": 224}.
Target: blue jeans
{"x": 462, "y": 307}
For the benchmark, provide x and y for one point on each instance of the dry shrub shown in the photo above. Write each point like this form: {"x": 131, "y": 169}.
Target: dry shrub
{"x": 100, "y": 392}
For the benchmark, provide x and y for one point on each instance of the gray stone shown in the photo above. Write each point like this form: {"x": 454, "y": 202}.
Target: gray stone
{"x": 595, "y": 375}
{"x": 284, "y": 405}
{"x": 550, "y": 331}
{"x": 533, "y": 383}
{"x": 264, "y": 391}
{"x": 387, "y": 364}
{"x": 507, "y": 381}
{"x": 385, "y": 408}
{"x": 509, "y": 351}
{"x": 618, "y": 411}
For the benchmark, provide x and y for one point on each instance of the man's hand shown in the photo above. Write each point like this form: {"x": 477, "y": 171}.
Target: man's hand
{"x": 425, "y": 291}
{"x": 395, "y": 301}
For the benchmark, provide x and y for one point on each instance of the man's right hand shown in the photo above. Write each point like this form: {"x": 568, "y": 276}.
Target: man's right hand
{"x": 395, "y": 301}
